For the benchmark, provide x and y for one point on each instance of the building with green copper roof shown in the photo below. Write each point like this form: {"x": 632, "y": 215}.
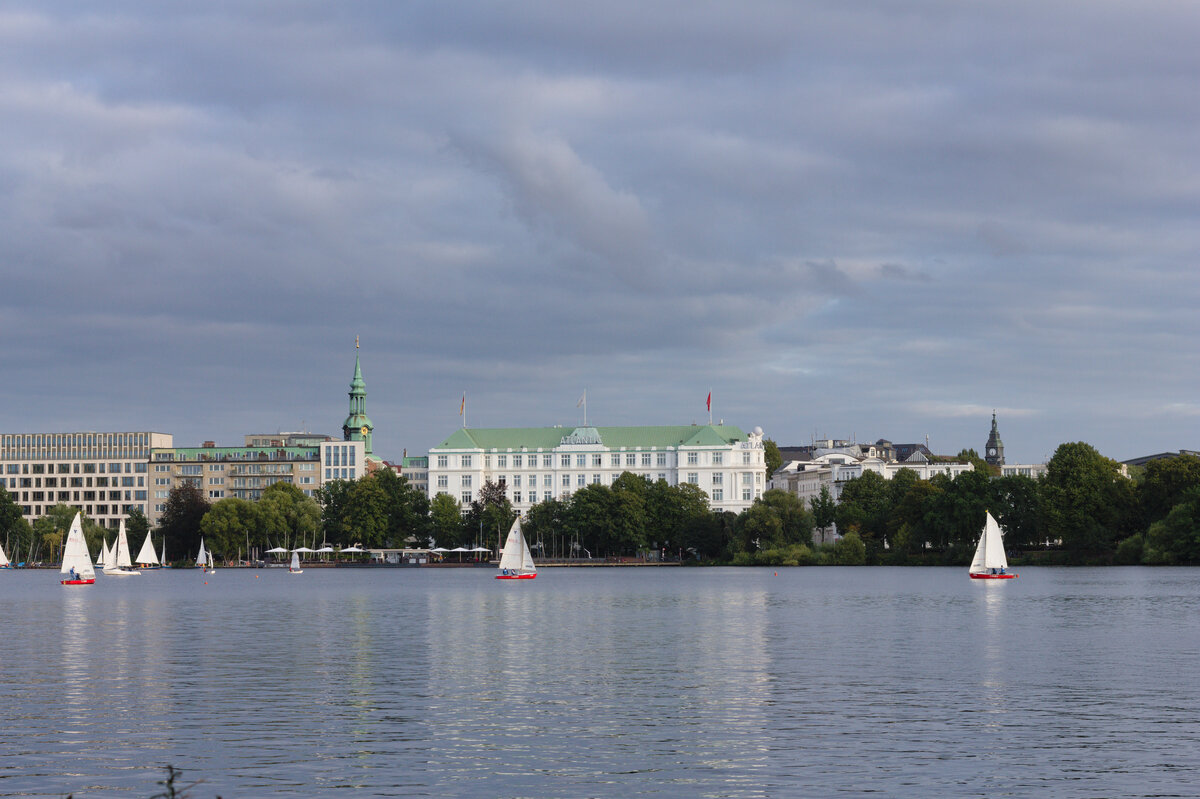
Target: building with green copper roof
{"x": 537, "y": 463}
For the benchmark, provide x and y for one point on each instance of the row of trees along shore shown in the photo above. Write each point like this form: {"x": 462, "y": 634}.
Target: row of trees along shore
{"x": 1083, "y": 511}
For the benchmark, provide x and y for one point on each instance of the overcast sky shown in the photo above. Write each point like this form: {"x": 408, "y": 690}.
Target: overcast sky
{"x": 851, "y": 220}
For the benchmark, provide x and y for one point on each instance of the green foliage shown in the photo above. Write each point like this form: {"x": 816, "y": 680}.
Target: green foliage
{"x": 772, "y": 455}
{"x": 407, "y": 508}
{"x": 824, "y": 509}
{"x": 850, "y": 550}
{"x": 287, "y": 517}
{"x": 180, "y": 522}
{"x": 489, "y": 517}
{"x": 1129, "y": 551}
{"x": 1163, "y": 483}
{"x": 227, "y": 524}
{"x": 1176, "y": 539}
{"x": 446, "y": 521}
{"x": 1087, "y": 502}
{"x": 334, "y": 499}
{"x": 137, "y": 526}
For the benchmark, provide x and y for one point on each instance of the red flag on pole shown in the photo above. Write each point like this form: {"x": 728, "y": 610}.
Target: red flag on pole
{"x": 708, "y": 402}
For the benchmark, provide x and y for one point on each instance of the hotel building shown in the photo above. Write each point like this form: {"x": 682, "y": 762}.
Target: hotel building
{"x": 540, "y": 463}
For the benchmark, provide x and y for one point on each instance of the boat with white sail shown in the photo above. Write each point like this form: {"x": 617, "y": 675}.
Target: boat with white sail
{"x": 5, "y": 563}
{"x": 147, "y": 558}
{"x": 118, "y": 564}
{"x": 202, "y": 557}
{"x": 295, "y": 567}
{"x": 990, "y": 562}
{"x": 516, "y": 562}
{"x": 77, "y": 563}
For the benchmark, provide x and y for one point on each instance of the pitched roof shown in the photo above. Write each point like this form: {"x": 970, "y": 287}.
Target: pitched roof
{"x": 662, "y": 437}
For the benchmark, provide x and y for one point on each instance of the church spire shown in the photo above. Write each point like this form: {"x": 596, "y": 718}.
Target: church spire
{"x": 357, "y": 426}
{"x": 994, "y": 454}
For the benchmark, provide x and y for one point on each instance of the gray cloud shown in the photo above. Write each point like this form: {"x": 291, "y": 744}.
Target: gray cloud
{"x": 875, "y": 219}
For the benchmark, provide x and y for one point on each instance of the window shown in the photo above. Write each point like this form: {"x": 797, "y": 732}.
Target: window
{"x": 746, "y": 494}
{"x": 662, "y": 459}
{"x": 517, "y": 459}
{"x": 616, "y": 459}
{"x": 596, "y": 479}
{"x": 547, "y": 462}
{"x": 466, "y": 497}
{"x": 466, "y": 481}
{"x": 516, "y": 496}
{"x": 547, "y": 496}
{"x": 581, "y": 480}
{"x": 717, "y": 478}
{"x": 442, "y": 461}
{"x": 487, "y": 461}
{"x": 548, "y": 481}
{"x": 630, "y": 459}
{"x": 597, "y": 460}
{"x": 693, "y": 458}
{"x": 466, "y": 461}
{"x": 502, "y": 461}
{"x": 746, "y": 457}
{"x": 747, "y": 478}
{"x": 564, "y": 461}
{"x": 693, "y": 478}
{"x": 566, "y": 481}
{"x": 718, "y": 458}
{"x": 645, "y": 458}
{"x": 718, "y": 495}
{"x": 581, "y": 460}
{"x": 516, "y": 481}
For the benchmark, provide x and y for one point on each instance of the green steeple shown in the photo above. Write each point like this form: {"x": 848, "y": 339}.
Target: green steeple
{"x": 357, "y": 426}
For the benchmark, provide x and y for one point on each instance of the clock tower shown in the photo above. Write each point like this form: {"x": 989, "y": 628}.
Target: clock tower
{"x": 994, "y": 452}
{"x": 357, "y": 426}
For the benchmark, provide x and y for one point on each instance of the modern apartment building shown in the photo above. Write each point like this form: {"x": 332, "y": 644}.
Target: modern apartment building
{"x": 106, "y": 475}
{"x": 245, "y": 472}
{"x": 536, "y": 464}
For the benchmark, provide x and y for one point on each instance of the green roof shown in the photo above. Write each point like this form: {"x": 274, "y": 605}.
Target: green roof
{"x": 505, "y": 438}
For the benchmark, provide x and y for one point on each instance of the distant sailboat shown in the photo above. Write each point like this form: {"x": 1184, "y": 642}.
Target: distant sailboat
{"x": 147, "y": 558}
{"x": 990, "y": 562}
{"x": 201, "y": 559}
{"x": 295, "y": 567}
{"x": 77, "y": 563}
{"x": 102, "y": 555}
{"x": 162, "y": 559}
{"x": 516, "y": 562}
{"x": 120, "y": 566}
{"x": 4, "y": 562}
{"x": 211, "y": 567}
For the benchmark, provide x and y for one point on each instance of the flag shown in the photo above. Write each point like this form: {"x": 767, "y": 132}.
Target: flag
{"x": 708, "y": 402}
{"x": 582, "y": 399}
{"x": 463, "y": 406}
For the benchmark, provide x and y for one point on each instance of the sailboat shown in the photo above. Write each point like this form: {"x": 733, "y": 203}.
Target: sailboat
{"x": 295, "y": 567}
{"x": 4, "y": 562}
{"x": 147, "y": 558}
{"x": 516, "y": 562}
{"x": 120, "y": 565}
{"x": 162, "y": 559}
{"x": 990, "y": 562}
{"x": 211, "y": 567}
{"x": 102, "y": 555}
{"x": 77, "y": 563}
{"x": 201, "y": 559}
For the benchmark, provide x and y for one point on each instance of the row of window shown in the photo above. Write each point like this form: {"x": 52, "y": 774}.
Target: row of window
{"x": 79, "y": 496}
{"x": 72, "y": 441}
{"x": 582, "y": 459}
{"x": 93, "y": 511}
{"x": 73, "y": 468}
{"x": 518, "y": 497}
{"x": 73, "y": 482}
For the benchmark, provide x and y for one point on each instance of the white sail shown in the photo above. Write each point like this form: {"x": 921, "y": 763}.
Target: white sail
{"x": 516, "y": 557}
{"x": 295, "y": 562}
{"x": 75, "y": 553}
{"x": 989, "y": 553}
{"x": 3, "y": 558}
{"x": 147, "y": 554}
{"x": 210, "y": 561}
{"x": 163, "y": 557}
{"x": 123, "y": 561}
{"x": 201, "y": 560}
{"x": 102, "y": 555}
{"x": 110, "y": 556}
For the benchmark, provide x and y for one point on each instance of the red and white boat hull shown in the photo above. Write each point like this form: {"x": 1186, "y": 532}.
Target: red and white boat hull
{"x": 78, "y": 582}
{"x": 993, "y": 576}
{"x": 515, "y": 576}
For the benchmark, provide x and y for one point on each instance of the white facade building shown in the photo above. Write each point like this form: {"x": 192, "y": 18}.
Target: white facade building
{"x": 834, "y": 469}
{"x": 537, "y": 464}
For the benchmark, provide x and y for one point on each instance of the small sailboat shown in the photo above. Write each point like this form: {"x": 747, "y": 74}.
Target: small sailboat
{"x": 102, "y": 555}
{"x": 516, "y": 562}
{"x": 162, "y": 559}
{"x": 77, "y": 563}
{"x": 295, "y": 567}
{"x": 990, "y": 562}
{"x": 147, "y": 558}
{"x": 211, "y": 567}
{"x": 120, "y": 565}
{"x": 4, "y": 561}
{"x": 202, "y": 558}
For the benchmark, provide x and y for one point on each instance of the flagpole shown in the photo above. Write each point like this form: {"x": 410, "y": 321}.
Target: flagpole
{"x": 710, "y": 405}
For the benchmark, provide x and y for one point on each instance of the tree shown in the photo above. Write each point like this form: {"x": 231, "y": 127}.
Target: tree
{"x": 15, "y": 532}
{"x": 227, "y": 524}
{"x": 772, "y": 455}
{"x": 180, "y": 522}
{"x": 137, "y": 526}
{"x": 1087, "y": 501}
{"x": 491, "y": 515}
{"x": 1163, "y": 484}
{"x": 542, "y": 522}
{"x": 1017, "y": 505}
{"x": 365, "y": 515}
{"x": 1176, "y": 538}
{"x": 407, "y": 508}
{"x": 334, "y": 497}
{"x": 446, "y": 521}
{"x": 824, "y": 509}
{"x": 864, "y": 508}
{"x": 287, "y": 517}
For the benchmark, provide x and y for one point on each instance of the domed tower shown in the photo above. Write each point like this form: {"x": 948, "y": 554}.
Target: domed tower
{"x": 994, "y": 452}
{"x": 357, "y": 426}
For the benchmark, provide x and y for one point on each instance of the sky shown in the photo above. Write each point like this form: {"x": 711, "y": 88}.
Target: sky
{"x": 844, "y": 220}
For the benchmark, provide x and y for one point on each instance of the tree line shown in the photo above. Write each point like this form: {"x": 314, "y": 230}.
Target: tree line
{"x": 1084, "y": 510}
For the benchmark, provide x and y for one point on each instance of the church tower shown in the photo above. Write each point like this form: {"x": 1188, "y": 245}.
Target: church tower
{"x": 357, "y": 426}
{"x": 994, "y": 453}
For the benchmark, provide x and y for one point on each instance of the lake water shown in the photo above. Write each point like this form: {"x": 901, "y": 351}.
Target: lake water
{"x": 603, "y": 682}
